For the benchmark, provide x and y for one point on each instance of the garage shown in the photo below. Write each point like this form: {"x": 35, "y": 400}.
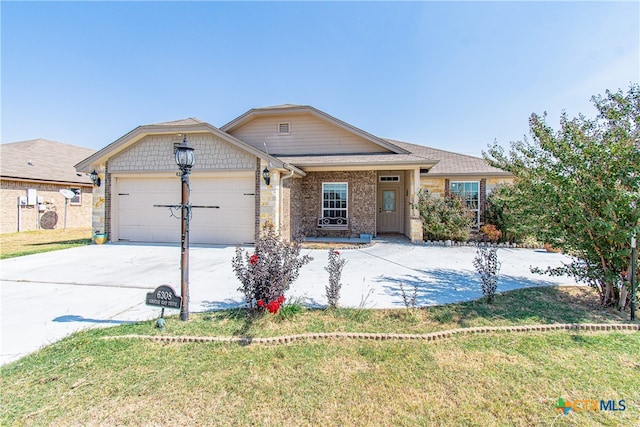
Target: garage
{"x": 231, "y": 222}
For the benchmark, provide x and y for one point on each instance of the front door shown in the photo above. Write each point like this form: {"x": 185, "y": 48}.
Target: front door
{"x": 390, "y": 208}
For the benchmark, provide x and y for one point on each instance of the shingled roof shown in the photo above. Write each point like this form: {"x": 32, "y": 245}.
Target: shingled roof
{"x": 181, "y": 122}
{"x": 43, "y": 160}
{"x": 451, "y": 163}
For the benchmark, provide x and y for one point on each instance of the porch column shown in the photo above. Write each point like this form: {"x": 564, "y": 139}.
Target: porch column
{"x": 415, "y": 223}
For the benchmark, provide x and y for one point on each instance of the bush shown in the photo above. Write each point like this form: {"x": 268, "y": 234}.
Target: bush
{"x": 504, "y": 213}
{"x": 487, "y": 265}
{"x": 491, "y": 233}
{"x": 267, "y": 273}
{"x": 336, "y": 263}
{"x": 444, "y": 218}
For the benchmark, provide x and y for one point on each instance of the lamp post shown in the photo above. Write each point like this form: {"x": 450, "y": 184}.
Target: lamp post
{"x": 185, "y": 158}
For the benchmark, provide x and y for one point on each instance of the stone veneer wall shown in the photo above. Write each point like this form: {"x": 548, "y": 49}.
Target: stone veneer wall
{"x": 155, "y": 153}
{"x": 78, "y": 216}
{"x": 98, "y": 223}
{"x": 257, "y": 200}
{"x": 269, "y": 198}
{"x": 361, "y": 203}
{"x": 434, "y": 185}
{"x": 106, "y": 211}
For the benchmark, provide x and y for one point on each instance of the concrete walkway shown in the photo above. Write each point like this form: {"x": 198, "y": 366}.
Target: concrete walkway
{"x": 46, "y": 297}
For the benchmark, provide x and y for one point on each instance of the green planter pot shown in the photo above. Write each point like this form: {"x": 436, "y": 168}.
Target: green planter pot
{"x": 100, "y": 239}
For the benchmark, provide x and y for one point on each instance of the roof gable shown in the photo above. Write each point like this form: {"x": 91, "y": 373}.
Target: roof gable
{"x": 43, "y": 160}
{"x": 184, "y": 126}
{"x": 310, "y": 132}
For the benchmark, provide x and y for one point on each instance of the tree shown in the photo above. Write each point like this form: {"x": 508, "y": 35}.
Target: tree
{"x": 502, "y": 212}
{"x": 579, "y": 188}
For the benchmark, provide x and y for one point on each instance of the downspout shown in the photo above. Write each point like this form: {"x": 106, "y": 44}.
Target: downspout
{"x": 282, "y": 178}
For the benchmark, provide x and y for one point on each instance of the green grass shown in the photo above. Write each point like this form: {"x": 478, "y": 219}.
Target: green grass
{"x": 525, "y": 306}
{"x": 33, "y": 242}
{"x": 483, "y": 380}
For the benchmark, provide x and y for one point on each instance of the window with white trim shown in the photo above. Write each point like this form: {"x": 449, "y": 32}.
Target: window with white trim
{"x": 334, "y": 199}
{"x": 470, "y": 193}
{"x": 77, "y": 198}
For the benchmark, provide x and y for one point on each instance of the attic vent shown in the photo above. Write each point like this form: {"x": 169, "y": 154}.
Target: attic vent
{"x": 284, "y": 128}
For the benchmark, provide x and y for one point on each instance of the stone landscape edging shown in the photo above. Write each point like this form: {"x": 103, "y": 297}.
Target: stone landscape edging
{"x": 433, "y": 336}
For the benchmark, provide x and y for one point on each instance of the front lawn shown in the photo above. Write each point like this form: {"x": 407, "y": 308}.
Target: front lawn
{"x": 33, "y": 242}
{"x": 489, "y": 379}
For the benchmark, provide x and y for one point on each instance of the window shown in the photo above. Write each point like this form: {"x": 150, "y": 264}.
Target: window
{"x": 77, "y": 199}
{"x": 470, "y": 193}
{"x": 389, "y": 200}
{"x": 391, "y": 178}
{"x": 334, "y": 199}
{"x": 284, "y": 128}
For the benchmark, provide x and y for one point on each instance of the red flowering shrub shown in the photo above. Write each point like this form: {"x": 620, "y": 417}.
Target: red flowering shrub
{"x": 274, "y": 306}
{"x": 267, "y": 273}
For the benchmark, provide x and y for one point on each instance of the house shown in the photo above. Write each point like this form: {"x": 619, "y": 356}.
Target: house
{"x": 32, "y": 173}
{"x": 325, "y": 176}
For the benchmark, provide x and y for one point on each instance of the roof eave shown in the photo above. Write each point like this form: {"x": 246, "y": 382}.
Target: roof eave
{"x": 141, "y": 131}
{"x": 444, "y": 174}
{"x": 130, "y": 138}
{"x": 45, "y": 181}
{"x": 343, "y": 166}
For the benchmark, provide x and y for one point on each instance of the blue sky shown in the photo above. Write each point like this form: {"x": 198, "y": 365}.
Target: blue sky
{"x": 451, "y": 75}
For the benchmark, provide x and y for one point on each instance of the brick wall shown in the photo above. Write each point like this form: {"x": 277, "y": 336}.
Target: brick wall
{"x": 291, "y": 214}
{"x": 361, "y": 199}
{"x": 78, "y": 215}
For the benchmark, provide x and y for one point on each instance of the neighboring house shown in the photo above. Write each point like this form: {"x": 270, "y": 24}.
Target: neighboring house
{"x": 319, "y": 167}
{"x": 32, "y": 173}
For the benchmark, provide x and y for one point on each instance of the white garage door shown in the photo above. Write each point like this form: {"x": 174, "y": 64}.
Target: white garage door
{"x": 232, "y": 223}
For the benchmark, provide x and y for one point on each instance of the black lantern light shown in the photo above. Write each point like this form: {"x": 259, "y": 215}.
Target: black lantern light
{"x": 266, "y": 176}
{"x": 185, "y": 157}
{"x": 95, "y": 178}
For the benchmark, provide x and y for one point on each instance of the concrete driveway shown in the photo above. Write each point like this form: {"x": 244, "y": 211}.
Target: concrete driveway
{"x": 46, "y": 297}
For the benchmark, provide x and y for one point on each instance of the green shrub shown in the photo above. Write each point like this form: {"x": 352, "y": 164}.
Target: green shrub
{"x": 502, "y": 211}
{"x": 444, "y": 218}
